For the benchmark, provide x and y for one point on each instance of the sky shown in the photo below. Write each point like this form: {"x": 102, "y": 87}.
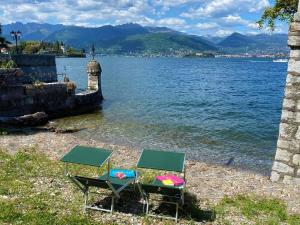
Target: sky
{"x": 200, "y": 17}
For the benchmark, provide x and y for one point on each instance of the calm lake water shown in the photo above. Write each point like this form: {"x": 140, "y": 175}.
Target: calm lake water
{"x": 213, "y": 109}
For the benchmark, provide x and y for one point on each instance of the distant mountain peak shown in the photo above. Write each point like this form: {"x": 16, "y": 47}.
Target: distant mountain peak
{"x": 129, "y": 25}
{"x": 132, "y": 37}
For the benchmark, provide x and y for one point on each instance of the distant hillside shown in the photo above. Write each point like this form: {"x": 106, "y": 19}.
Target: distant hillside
{"x": 32, "y": 31}
{"x": 121, "y": 39}
{"x": 163, "y": 43}
{"x": 236, "y": 40}
{"x": 134, "y": 38}
{"x": 236, "y": 43}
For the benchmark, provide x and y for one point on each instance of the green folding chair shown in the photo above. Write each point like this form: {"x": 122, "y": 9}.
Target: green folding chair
{"x": 95, "y": 157}
{"x": 166, "y": 161}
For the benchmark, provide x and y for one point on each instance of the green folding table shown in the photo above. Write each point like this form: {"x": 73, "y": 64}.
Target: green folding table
{"x": 164, "y": 161}
{"x": 95, "y": 157}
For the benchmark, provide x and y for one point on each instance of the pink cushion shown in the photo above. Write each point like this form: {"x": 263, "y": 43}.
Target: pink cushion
{"x": 178, "y": 181}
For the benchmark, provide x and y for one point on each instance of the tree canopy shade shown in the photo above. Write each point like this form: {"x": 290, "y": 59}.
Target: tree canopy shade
{"x": 283, "y": 10}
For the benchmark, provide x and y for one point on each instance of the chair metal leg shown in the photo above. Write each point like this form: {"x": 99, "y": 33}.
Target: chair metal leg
{"x": 112, "y": 204}
{"x": 86, "y": 196}
{"x": 144, "y": 206}
{"x": 147, "y": 205}
{"x": 176, "y": 215}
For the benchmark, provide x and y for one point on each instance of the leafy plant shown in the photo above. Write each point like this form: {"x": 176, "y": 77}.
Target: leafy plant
{"x": 38, "y": 84}
{"x": 11, "y": 64}
{"x": 8, "y": 64}
{"x": 283, "y": 10}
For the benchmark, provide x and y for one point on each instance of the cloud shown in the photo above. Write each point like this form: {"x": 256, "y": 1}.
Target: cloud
{"x": 234, "y": 20}
{"x": 191, "y": 16}
{"x": 223, "y": 33}
{"x": 253, "y": 26}
{"x": 171, "y": 22}
{"x": 207, "y": 26}
{"x": 73, "y": 12}
{"x": 224, "y": 7}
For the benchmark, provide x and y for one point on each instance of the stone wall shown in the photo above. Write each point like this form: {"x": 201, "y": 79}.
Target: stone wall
{"x": 20, "y": 100}
{"x": 286, "y": 167}
{"x": 12, "y": 77}
{"x": 56, "y": 99}
{"x": 35, "y": 67}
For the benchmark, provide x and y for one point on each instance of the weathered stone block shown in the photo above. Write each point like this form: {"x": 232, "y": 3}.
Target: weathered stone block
{"x": 292, "y": 78}
{"x": 292, "y": 146}
{"x": 275, "y": 176}
{"x": 294, "y": 65}
{"x": 282, "y": 168}
{"x": 295, "y": 54}
{"x": 283, "y": 155}
{"x": 291, "y": 180}
{"x": 287, "y": 131}
{"x": 298, "y": 173}
{"x": 298, "y": 117}
{"x": 283, "y": 144}
{"x": 294, "y": 27}
{"x": 294, "y": 41}
{"x": 296, "y": 159}
{"x": 288, "y": 114}
{"x": 297, "y": 136}
{"x": 298, "y": 105}
{"x": 292, "y": 90}
{"x": 289, "y": 103}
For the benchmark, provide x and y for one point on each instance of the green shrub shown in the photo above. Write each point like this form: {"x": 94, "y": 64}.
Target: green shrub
{"x": 7, "y": 64}
{"x": 11, "y": 64}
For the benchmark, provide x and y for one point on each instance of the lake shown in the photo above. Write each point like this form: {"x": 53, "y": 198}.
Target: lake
{"x": 213, "y": 109}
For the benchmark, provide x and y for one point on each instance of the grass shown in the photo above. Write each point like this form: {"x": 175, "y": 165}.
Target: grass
{"x": 255, "y": 210}
{"x": 34, "y": 190}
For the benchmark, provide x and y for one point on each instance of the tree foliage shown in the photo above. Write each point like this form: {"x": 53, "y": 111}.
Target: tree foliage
{"x": 3, "y": 42}
{"x": 283, "y": 10}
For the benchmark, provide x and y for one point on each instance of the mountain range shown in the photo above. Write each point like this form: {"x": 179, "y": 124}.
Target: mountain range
{"x": 134, "y": 38}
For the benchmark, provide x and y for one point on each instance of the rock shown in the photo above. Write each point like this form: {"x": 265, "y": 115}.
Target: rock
{"x": 275, "y": 176}
{"x": 287, "y": 130}
{"x": 283, "y": 155}
{"x": 291, "y": 78}
{"x": 287, "y": 114}
{"x": 296, "y": 159}
{"x": 36, "y": 119}
{"x": 298, "y": 134}
{"x": 289, "y": 103}
{"x": 291, "y": 180}
{"x": 230, "y": 161}
{"x": 294, "y": 65}
{"x": 298, "y": 105}
{"x": 283, "y": 168}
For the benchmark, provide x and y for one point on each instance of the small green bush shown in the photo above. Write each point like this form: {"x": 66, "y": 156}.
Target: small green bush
{"x": 8, "y": 64}
{"x": 11, "y": 64}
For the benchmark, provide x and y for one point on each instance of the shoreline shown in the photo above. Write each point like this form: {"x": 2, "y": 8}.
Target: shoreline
{"x": 209, "y": 182}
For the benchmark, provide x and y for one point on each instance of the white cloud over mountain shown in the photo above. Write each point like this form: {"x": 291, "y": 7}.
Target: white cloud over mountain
{"x": 193, "y": 16}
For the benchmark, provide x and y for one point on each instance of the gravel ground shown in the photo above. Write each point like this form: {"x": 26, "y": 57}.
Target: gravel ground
{"x": 210, "y": 183}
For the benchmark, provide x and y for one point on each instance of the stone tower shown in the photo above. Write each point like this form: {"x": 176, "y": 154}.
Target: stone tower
{"x": 94, "y": 77}
{"x": 286, "y": 167}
